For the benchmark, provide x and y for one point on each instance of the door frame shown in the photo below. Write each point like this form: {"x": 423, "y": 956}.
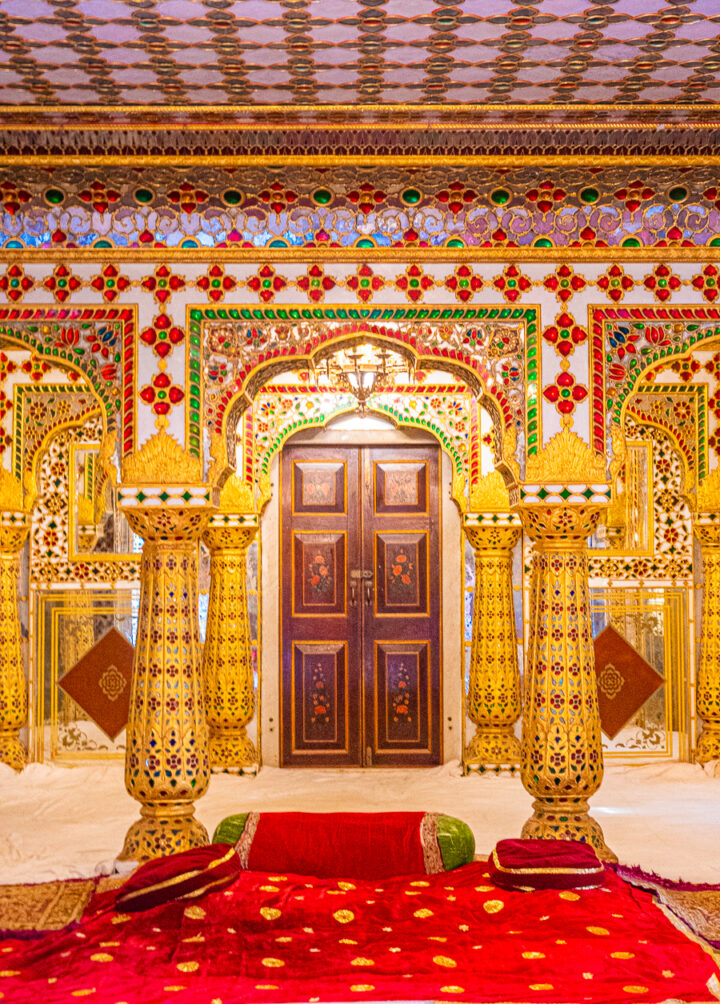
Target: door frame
{"x": 451, "y": 605}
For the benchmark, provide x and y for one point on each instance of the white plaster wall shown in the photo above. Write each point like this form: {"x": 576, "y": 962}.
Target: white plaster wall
{"x": 452, "y": 580}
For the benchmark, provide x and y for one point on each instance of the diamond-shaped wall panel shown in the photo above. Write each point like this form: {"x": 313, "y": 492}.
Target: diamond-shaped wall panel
{"x": 625, "y": 680}
{"x": 100, "y": 682}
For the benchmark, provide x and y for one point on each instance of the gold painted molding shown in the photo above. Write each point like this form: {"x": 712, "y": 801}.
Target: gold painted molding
{"x": 566, "y": 459}
{"x": 161, "y": 460}
{"x": 53, "y": 256}
{"x": 707, "y": 496}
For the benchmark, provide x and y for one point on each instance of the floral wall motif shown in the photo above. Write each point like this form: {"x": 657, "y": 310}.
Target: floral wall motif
{"x": 258, "y": 207}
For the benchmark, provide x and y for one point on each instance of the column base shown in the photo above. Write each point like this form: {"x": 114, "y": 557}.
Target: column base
{"x": 161, "y": 830}
{"x": 492, "y": 751}
{"x": 233, "y": 752}
{"x": 567, "y": 820}
{"x": 708, "y": 746}
{"x": 12, "y": 752}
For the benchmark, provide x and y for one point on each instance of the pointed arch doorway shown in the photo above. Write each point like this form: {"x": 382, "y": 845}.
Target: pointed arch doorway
{"x": 360, "y": 610}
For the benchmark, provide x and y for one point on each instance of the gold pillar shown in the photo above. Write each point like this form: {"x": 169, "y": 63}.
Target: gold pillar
{"x": 562, "y": 762}
{"x": 13, "y": 685}
{"x": 707, "y": 689}
{"x": 166, "y": 761}
{"x": 493, "y": 701}
{"x": 227, "y": 654}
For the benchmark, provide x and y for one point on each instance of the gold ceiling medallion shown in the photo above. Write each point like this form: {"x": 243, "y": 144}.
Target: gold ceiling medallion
{"x": 162, "y": 460}
{"x": 566, "y": 459}
{"x": 362, "y": 371}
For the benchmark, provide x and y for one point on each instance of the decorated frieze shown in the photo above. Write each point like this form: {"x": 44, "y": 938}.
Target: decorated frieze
{"x": 258, "y": 207}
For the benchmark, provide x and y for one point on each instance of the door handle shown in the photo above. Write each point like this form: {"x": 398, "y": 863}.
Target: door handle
{"x": 368, "y": 593}
{"x": 353, "y": 594}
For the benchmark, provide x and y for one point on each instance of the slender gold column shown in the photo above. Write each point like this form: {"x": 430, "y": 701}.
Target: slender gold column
{"x": 227, "y": 654}
{"x": 493, "y": 700}
{"x": 13, "y": 685}
{"x": 562, "y": 763}
{"x": 166, "y": 762}
{"x": 707, "y": 700}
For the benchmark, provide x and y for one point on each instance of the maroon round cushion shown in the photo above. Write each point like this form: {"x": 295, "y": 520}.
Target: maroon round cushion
{"x": 545, "y": 864}
{"x": 179, "y": 876}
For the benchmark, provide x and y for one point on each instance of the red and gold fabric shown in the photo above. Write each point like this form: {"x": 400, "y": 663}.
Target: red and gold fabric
{"x": 276, "y": 937}
{"x": 545, "y": 864}
{"x": 186, "y": 875}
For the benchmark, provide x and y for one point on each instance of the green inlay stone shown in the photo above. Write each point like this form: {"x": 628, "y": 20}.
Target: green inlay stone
{"x": 714, "y": 243}
{"x": 231, "y": 196}
{"x": 62, "y": 283}
{"x": 54, "y": 196}
{"x": 186, "y": 496}
{"x": 464, "y": 283}
{"x": 630, "y": 242}
{"x": 364, "y": 283}
{"x": 677, "y": 194}
{"x": 277, "y": 244}
{"x": 564, "y": 283}
{"x": 614, "y": 282}
{"x": 589, "y": 195}
{"x": 102, "y": 244}
{"x": 365, "y": 242}
{"x": 565, "y": 392}
{"x": 162, "y": 334}
{"x": 216, "y": 283}
{"x": 414, "y": 283}
{"x": 315, "y": 283}
{"x": 266, "y": 284}
{"x": 14, "y": 244}
{"x": 144, "y": 195}
{"x": 565, "y": 494}
{"x": 163, "y": 496}
{"x": 500, "y": 196}
{"x": 662, "y": 282}
{"x": 14, "y": 283}
{"x": 709, "y": 282}
{"x": 162, "y": 283}
{"x": 511, "y": 283}
{"x": 109, "y": 283}
{"x": 162, "y": 395}
{"x": 543, "y": 242}
{"x": 322, "y": 196}
{"x": 141, "y": 496}
{"x": 189, "y": 244}
{"x": 411, "y": 196}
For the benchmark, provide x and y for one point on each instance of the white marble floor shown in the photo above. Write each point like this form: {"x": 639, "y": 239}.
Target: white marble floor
{"x": 60, "y": 822}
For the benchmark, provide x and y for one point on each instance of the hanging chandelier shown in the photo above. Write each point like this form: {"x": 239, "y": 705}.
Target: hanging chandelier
{"x": 363, "y": 371}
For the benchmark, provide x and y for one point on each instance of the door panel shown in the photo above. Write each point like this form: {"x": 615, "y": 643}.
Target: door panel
{"x": 401, "y": 628}
{"x": 360, "y": 622}
{"x": 320, "y": 685}
{"x": 321, "y": 690}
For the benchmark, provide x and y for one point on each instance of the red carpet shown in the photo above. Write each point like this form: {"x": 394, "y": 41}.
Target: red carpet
{"x": 452, "y": 936}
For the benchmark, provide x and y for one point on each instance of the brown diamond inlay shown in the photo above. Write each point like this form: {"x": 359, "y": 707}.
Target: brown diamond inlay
{"x": 100, "y": 682}
{"x": 625, "y": 680}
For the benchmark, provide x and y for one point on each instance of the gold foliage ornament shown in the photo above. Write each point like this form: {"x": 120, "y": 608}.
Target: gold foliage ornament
{"x": 493, "y": 700}
{"x": 161, "y": 460}
{"x": 561, "y": 749}
{"x": 489, "y": 494}
{"x": 227, "y": 654}
{"x": 566, "y": 459}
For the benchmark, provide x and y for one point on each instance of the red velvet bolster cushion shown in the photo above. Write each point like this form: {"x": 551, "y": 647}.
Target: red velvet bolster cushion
{"x": 545, "y": 864}
{"x": 352, "y": 844}
{"x": 179, "y": 876}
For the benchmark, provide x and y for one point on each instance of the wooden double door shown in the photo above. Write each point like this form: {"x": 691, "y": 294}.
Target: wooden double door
{"x": 360, "y": 606}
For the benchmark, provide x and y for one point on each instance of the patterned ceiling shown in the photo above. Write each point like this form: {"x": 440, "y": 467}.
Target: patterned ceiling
{"x": 264, "y": 52}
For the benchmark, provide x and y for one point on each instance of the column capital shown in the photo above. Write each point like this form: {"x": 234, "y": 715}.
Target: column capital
{"x": 707, "y": 532}
{"x": 168, "y": 523}
{"x": 560, "y": 525}
{"x": 493, "y": 537}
